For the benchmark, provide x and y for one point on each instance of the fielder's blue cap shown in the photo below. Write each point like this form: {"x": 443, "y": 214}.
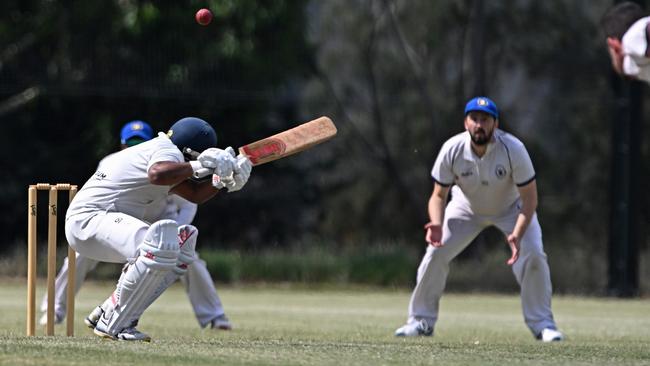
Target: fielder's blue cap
{"x": 482, "y": 104}
{"x": 136, "y": 128}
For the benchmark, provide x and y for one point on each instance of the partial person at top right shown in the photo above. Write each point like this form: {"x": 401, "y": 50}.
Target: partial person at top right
{"x": 627, "y": 28}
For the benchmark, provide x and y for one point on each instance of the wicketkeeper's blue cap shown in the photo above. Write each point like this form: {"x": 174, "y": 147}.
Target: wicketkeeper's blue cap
{"x": 136, "y": 128}
{"x": 482, "y": 104}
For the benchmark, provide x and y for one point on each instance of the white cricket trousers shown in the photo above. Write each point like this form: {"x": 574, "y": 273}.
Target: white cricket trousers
{"x": 460, "y": 227}
{"x": 202, "y": 293}
{"x": 106, "y": 236}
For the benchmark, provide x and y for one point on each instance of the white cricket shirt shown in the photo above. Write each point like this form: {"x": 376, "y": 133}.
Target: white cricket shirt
{"x": 121, "y": 183}
{"x": 488, "y": 185}
{"x": 635, "y": 43}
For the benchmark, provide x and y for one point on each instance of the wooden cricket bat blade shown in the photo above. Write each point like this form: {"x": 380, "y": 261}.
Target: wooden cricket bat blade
{"x": 289, "y": 142}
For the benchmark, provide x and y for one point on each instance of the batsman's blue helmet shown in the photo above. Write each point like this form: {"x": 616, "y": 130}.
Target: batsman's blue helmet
{"x": 139, "y": 129}
{"x": 194, "y": 133}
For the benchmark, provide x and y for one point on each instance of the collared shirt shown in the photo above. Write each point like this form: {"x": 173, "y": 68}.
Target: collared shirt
{"x": 121, "y": 182}
{"x": 488, "y": 184}
{"x": 635, "y": 45}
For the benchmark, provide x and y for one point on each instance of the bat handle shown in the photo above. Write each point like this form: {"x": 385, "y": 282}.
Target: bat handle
{"x": 202, "y": 173}
{"x": 190, "y": 152}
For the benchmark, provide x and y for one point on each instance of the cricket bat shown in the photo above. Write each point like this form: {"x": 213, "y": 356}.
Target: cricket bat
{"x": 283, "y": 144}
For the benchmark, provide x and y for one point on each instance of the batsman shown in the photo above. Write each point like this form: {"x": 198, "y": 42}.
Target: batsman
{"x": 493, "y": 185}
{"x": 106, "y": 219}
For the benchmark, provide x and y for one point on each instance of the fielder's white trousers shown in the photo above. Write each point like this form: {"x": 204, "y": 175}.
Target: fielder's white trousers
{"x": 460, "y": 227}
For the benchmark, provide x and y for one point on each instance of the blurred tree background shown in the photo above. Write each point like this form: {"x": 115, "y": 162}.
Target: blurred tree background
{"x": 393, "y": 75}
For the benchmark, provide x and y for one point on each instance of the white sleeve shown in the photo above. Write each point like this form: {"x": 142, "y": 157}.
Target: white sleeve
{"x": 635, "y": 62}
{"x": 186, "y": 210}
{"x": 165, "y": 152}
{"x": 442, "y": 171}
{"x": 522, "y": 167}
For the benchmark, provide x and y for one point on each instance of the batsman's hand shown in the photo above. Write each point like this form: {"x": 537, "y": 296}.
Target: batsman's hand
{"x": 513, "y": 242}
{"x": 433, "y": 234}
{"x": 222, "y": 162}
{"x": 242, "y": 172}
{"x": 238, "y": 179}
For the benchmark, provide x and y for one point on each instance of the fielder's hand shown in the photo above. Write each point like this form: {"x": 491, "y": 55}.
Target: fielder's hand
{"x": 222, "y": 162}
{"x": 433, "y": 235}
{"x": 513, "y": 242}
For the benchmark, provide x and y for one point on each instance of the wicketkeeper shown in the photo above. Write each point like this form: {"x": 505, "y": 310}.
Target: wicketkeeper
{"x": 106, "y": 219}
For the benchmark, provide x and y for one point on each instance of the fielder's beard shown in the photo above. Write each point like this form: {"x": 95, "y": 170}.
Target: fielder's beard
{"x": 481, "y": 138}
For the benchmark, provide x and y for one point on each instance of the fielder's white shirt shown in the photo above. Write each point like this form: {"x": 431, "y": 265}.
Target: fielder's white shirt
{"x": 635, "y": 43}
{"x": 487, "y": 185}
{"x": 121, "y": 183}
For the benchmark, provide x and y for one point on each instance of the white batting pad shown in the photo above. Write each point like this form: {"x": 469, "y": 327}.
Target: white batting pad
{"x": 144, "y": 280}
{"x": 187, "y": 235}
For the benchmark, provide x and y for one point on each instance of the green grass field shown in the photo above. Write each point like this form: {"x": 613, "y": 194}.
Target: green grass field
{"x": 289, "y": 326}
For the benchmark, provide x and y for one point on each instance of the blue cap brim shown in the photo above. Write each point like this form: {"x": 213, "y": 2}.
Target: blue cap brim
{"x": 485, "y": 110}
{"x": 143, "y": 135}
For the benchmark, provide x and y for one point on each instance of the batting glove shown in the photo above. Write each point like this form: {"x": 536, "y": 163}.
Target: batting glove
{"x": 222, "y": 162}
{"x": 242, "y": 172}
{"x": 238, "y": 179}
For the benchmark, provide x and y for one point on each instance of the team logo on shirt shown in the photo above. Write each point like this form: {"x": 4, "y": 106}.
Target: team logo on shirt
{"x": 99, "y": 175}
{"x": 500, "y": 171}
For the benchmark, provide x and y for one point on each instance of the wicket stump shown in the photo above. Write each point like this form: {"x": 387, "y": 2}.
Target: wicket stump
{"x": 51, "y": 258}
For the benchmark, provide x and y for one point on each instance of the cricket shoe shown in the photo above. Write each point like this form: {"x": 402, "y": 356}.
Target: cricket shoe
{"x": 58, "y": 318}
{"x": 550, "y": 335}
{"x": 129, "y": 333}
{"x": 92, "y": 318}
{"x": 221, "y": 322}
{"x": 132, "y": 334}
{"x": 414, "y": 329}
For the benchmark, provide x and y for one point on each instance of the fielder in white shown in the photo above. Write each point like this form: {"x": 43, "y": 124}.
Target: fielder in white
{"x": 106, "y": 221}
{"x": 493, "y": 185}
{"x": 197, "y": 281}
{"x": 627, "y": 28}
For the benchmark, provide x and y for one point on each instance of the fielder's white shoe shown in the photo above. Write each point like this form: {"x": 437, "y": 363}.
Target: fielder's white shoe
{"x": 414, "y": 329}
{"x": 58, "y": 318}
{"x": 550, "y": 335}
{"x": 221, "y": 322}
{"x": 92, "y": 318}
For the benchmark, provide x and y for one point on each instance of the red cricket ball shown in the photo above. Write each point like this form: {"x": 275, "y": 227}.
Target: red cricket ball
{"x": 203, "y": 16}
